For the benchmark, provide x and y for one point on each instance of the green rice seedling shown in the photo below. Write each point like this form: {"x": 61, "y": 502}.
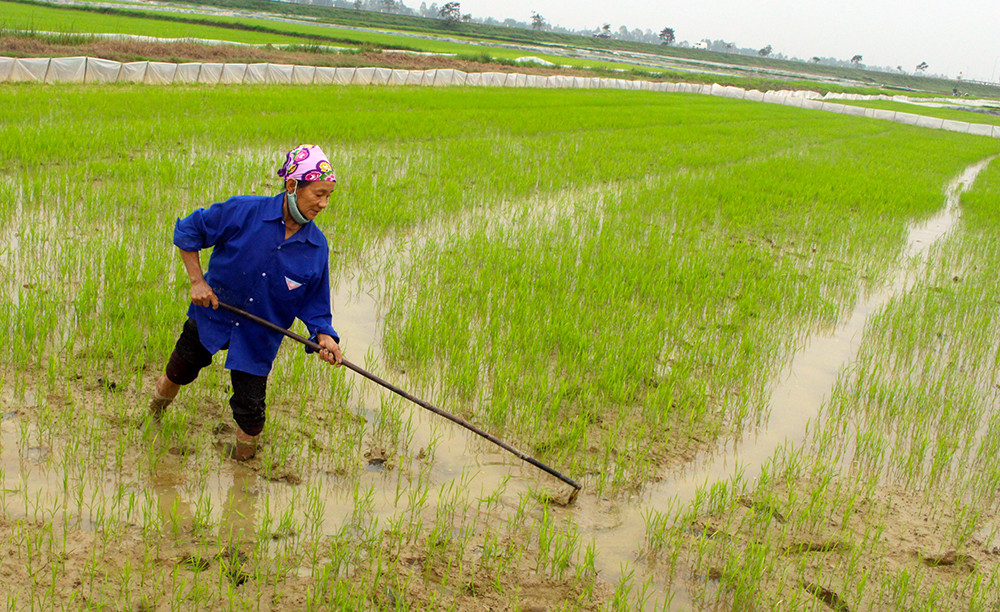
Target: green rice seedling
{"x": 912, "y": 384}
{"x": 610, "y": 284}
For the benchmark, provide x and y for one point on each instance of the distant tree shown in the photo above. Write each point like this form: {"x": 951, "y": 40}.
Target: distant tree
{"x": 388, "y": 6}
{"x": 358, "y": 5}
{"x": 922, "y": 66}
{"x": 622, "y": 32}
{"x": 899, "y": 68}
{"x": 467, "y": 18}
{"x": 451, "y": 12}
{"x": 814, "y": 60}
{"x": 856, "y": 59}
{"x": 537, "y": 21}
{"x": 728, "y": 47}
{"x": 667, "y": 36}
{"x": 765, "y": 51}
{"x": 605, "y": 31}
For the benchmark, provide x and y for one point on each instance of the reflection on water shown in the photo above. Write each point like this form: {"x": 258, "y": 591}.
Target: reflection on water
{"x": 236, "y": 501}
{"x": 795, "y": 399}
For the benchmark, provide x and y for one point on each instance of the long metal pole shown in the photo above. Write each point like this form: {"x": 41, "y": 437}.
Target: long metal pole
{"x": 416, "y": 400}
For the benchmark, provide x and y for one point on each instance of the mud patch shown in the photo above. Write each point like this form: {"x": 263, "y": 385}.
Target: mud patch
{"x": 182, "y": 450}
{"x": 761, "y": 508}
{"x": 377, "y": 459}
{"x": 916, "y": 538}
{"x": 276, "y": 474}
{"x": 233, "y": 562}
{"x": 37, "y": 454}
{"x": 195, "y": 563}
{"x": 822, "y": 546}
{"x": 828, "y": 597}
{"x": 949, "y": 559}
{"x": 110, "y": 385}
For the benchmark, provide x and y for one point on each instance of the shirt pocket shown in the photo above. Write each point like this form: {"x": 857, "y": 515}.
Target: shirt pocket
{"x": 289, "y": 287}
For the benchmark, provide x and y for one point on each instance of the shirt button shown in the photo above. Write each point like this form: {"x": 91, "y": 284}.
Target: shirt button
{"x": 251, "y": 299}
{"x": 263, "y": 273}
{"x": 237, "y": 324}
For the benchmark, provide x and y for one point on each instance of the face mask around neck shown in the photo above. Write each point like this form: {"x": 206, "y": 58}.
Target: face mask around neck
{"x": 293, "y": 206}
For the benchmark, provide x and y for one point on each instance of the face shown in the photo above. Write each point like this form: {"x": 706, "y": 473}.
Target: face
{"x": 313, "y": 198}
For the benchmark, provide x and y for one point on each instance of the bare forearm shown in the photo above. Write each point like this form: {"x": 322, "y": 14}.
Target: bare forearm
{"x": 201, "y": 293}
{"x": 192, "y": 263}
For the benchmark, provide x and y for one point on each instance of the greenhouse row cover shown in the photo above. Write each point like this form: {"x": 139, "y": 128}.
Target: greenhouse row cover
{"x": 96, "y": 70}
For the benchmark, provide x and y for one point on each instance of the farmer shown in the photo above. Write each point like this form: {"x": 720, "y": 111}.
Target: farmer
{"x": 270, "y": 259}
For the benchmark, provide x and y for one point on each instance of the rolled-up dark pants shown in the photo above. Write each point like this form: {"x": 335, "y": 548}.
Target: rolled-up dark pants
{"x": 249, "y": 390}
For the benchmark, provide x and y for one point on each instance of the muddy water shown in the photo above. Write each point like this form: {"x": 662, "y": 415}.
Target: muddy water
{"x": 617, "y": 527}
{"x": 795, "y": 400}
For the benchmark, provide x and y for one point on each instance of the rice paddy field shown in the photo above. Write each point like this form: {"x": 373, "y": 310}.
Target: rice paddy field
{"x": 763, "y": 338}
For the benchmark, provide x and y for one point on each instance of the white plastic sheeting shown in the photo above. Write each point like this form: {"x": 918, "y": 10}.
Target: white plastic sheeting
{"x": 930, "y": 122}
{"x": 6, "y": 65}
{"x": 381, "y": 76}
{"x": 279, "y": 73}
{"x": 980, "y": 129}
{"x": 955, "y": 126}
{"x": 363, "y": 76}
{"x": 534, "y": 80}
{"x": 160, "y": 73}
{"x": 303, "y": 75}
{"x": 343, "y": 76}
{"x": 493, "y": 79}
{"x": 96, "y": 70}
{"x": 255, "y": 73}
{"x": 399, "y": 77}
{"x": 66, "y": 70}
{"x": 187, "y": 73}
{"x": 29, "y": 69}
{"x": 325, "y": 75}
{"x": 133, "y": 72}
{"x": 232, "y": 73}
{"x": 101, "y": 70}
{"x": 210, "y": 74}
{"x": 448, "y": 76}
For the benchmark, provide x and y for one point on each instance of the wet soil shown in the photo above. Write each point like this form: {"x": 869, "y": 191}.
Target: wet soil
{"x": 181, "y": 548}
{"x": 911, "y": 535}
{"x": 617, "y": 526}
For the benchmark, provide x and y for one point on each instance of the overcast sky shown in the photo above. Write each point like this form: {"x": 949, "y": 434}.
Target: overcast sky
{"x": 956, "y": 36}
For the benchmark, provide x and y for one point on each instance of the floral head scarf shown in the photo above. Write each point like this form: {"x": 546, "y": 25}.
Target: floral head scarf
{"x": 307, "y": 163}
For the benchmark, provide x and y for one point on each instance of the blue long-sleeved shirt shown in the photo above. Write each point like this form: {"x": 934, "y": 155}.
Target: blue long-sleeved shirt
{"x": 253, "y": 267}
